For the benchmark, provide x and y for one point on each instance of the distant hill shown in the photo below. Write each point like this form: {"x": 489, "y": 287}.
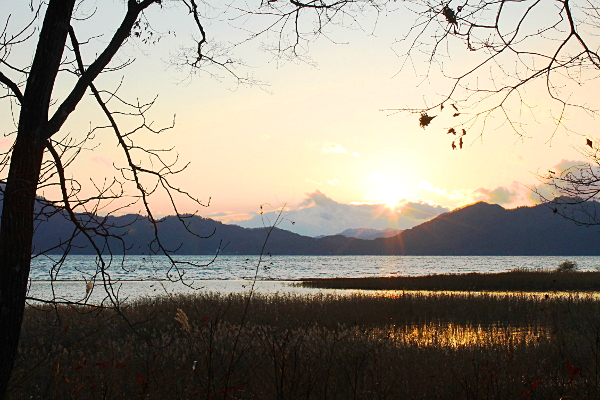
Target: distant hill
{"x": 370, "y": 234}
{"x": 489, "y": 229}
{"x": 478, "y": 229}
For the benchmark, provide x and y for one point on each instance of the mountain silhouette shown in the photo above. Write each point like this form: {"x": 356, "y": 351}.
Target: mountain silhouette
{"x": 489, "y": 229}
{"x": 477, "y": 229}
{"x": 367, "y": 233}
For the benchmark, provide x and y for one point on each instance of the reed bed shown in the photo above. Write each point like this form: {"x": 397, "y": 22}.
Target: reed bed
{"x": 516, "y": 280}
{"x": 402, "y": 346}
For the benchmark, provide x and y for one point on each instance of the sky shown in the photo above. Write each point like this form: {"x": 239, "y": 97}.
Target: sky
{"x": 317, "y": 136}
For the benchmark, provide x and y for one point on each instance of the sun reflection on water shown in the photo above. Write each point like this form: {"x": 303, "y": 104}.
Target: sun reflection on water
{"x": 456, "y": 336}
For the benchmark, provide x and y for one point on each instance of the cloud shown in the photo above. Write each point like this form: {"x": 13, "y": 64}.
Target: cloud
{"x": 229, "y": 217}
{"x": 318, "y": 214}
{"x": 461, "y": 196}
{"x": 564, "y": 165}
{"x": 550, "y": 188}
{"x": 514, "y": 195}
{"x": 316, "y": 199}
{"x": 218, "y": 214}
{"x": 313, "y": 181}
{"x": 500, "y": 195}
{"x": 334, "y": 182}
{"x": 421, "y": 211}
{"x": 330, "y": 147}
{"x": 335, "y": 148}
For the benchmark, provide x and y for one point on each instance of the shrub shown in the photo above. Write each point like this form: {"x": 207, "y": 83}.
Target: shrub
{"x": 567, "y": 266}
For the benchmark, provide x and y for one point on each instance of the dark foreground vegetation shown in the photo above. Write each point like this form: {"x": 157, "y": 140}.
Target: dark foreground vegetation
{"x": 404, "y": 346}
{"x": 514, "y": 281}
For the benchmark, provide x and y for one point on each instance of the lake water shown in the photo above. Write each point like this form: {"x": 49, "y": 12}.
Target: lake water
{"x": 137, "y": 276}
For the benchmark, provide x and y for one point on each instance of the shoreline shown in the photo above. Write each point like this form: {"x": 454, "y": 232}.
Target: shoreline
{"x": 511, "y": 281}
{"x": 518, "y": 281}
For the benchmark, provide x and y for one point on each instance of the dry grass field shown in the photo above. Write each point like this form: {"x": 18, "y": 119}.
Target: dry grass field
{"x": 407, "y": 345}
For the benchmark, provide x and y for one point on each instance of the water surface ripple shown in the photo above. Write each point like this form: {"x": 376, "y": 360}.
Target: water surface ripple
{"x": 138, "y": 276}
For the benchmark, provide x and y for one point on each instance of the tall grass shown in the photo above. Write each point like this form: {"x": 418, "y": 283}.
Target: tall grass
{"x": 404, "y": 346}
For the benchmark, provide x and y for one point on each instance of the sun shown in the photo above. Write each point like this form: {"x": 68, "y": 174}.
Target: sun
{"x": 391, "y": 197}
{"x": 386, "y": 190}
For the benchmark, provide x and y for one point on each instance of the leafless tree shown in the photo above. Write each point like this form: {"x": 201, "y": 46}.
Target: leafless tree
{"x": 573, "y": 192}
{"x": 42, "y": 153}
{"x": 493, "y": 62}
{"x": 514, "y": 64}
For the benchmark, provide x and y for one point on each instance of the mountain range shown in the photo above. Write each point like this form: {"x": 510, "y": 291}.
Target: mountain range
{"x": 477, "y": 229}
{"x": 367, "y": 234}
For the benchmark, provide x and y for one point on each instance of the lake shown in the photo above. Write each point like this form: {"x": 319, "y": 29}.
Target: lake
{"x": 137, "y": 276}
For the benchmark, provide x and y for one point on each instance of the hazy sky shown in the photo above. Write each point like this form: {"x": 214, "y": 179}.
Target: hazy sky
{"x": 314, "y": 129}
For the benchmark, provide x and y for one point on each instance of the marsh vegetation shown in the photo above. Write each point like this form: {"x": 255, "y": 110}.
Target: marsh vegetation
{"x": 407, "y": 345}
{"x": 564, "y": 278}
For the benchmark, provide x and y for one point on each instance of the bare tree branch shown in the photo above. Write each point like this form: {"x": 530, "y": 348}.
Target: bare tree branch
{"x": 68, "y": 105}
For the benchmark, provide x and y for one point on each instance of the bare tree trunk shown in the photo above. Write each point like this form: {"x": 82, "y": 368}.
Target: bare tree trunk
{"x": 15, "y": 250}
{"x": 16, "y": 229}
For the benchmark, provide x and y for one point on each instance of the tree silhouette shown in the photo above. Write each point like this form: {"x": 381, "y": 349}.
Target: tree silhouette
{"x": 41, "y": 153}
{"x": 508, "y": 64}
{"x": 494, "y": 62}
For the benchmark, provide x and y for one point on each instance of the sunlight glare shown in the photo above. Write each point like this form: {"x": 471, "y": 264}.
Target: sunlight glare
{"x": 386, "y": 190}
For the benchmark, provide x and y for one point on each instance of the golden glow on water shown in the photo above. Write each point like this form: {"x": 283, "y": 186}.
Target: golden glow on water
{"x": 456, "y": 336}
